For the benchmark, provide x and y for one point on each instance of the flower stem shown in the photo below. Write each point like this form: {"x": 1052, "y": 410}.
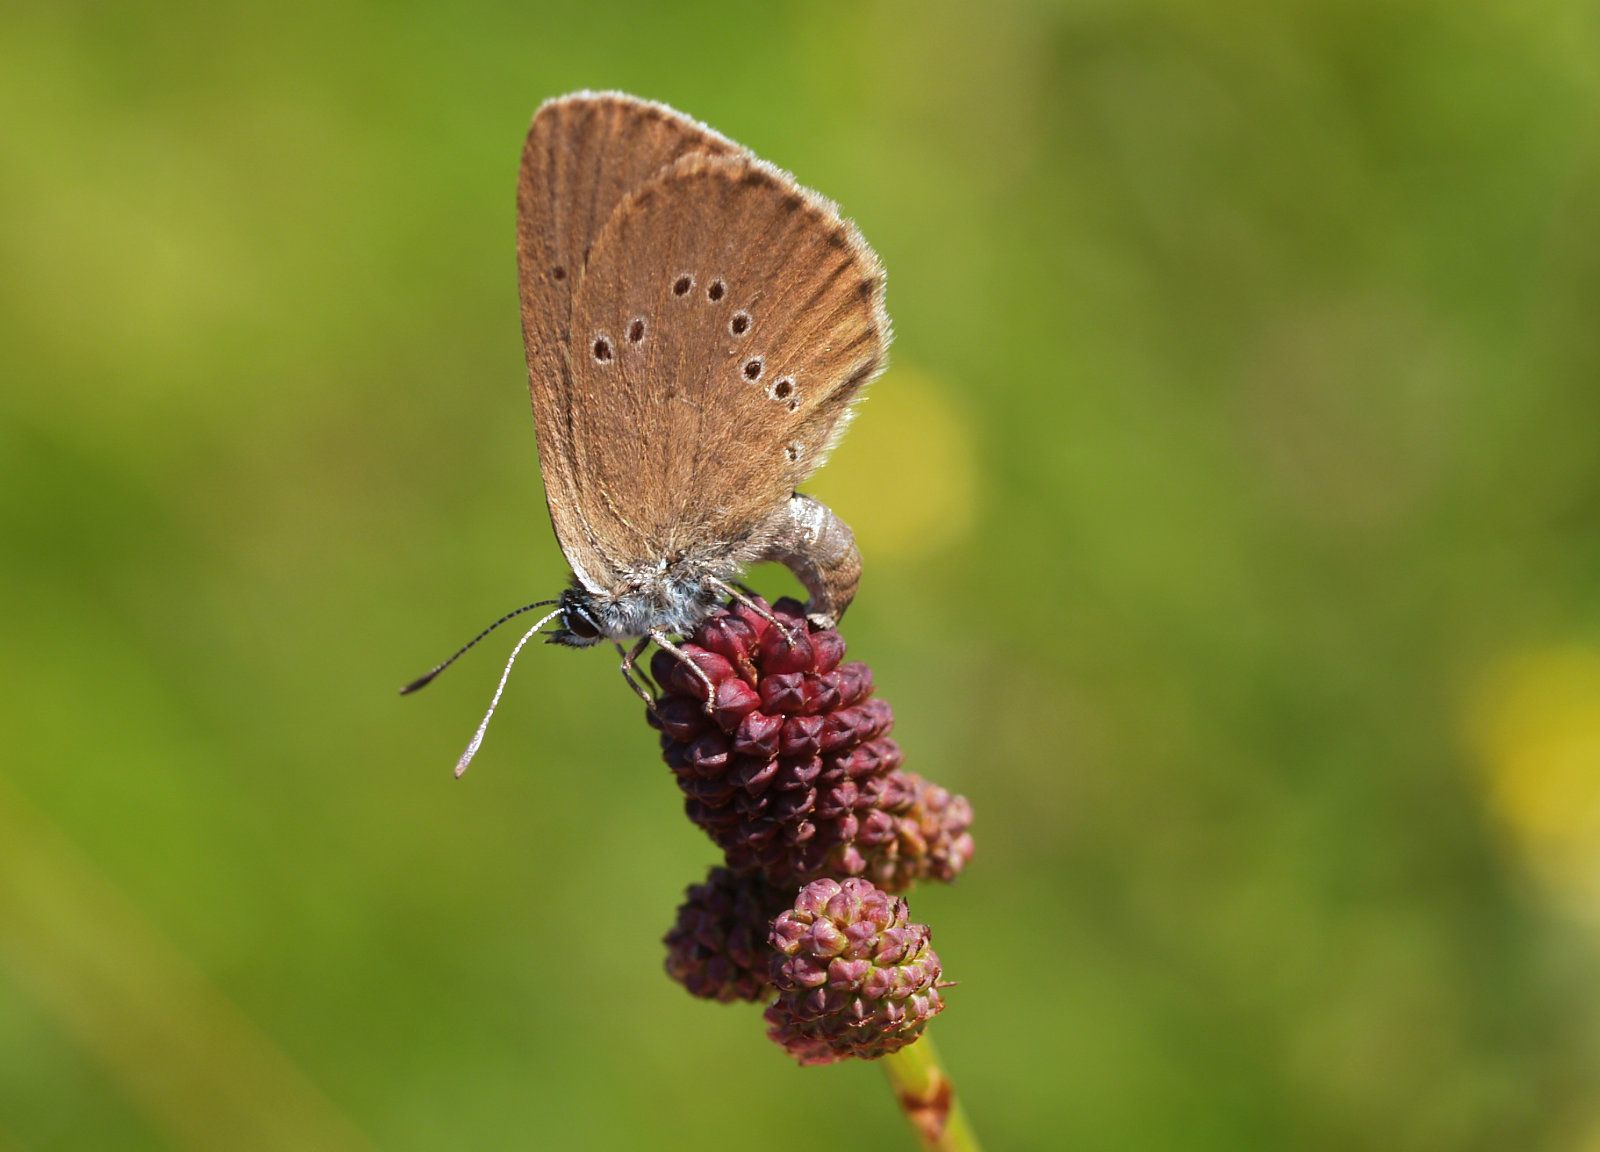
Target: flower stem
{"x": 928, "y": 1098}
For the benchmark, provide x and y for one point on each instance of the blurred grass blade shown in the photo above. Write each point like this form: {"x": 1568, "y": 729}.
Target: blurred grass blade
{"x": 202, "y": 1071}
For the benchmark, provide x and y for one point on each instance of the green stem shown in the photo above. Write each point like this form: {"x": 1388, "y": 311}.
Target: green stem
{"x": 928, "y": 1098}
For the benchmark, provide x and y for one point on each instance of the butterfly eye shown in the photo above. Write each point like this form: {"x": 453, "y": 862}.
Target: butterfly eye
{"x": 578, "y": 623}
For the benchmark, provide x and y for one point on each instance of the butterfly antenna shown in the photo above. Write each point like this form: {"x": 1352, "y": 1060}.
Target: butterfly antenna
{"x": 426, "y": 679}
{"x": 477, "y": 737}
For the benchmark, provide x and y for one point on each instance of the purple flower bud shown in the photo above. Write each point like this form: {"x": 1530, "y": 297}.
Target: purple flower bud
{"x": 855, "y": 682}
{"x": 708, "y": 755}
{"x": 789, "y": 652}
{"x": 758, "y": 735}
{"x": 732, "y": 702}
{"x": 729, "y": 637}
{"x": 680, "y": 719}
{"x": 784, "y": 692}
{"x": 802, "y": 735}
{"x": 827, "y": 649}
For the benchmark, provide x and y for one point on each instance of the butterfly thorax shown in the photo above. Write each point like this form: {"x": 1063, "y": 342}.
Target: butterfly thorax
{"x": 664, "y": 599}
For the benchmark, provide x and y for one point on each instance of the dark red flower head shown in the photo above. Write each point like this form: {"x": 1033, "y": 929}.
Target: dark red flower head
{"x": 792, "y": 758}
{"x": 718, "y": 948}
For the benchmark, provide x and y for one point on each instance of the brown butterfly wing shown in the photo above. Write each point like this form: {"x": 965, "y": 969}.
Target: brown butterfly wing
{"x": 583, "y": 154}
{"x": 724, "y": 323}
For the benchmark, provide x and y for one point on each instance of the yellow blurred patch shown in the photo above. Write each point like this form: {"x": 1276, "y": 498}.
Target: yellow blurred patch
{"x": 905, "y": 477}
{"x": 1537, "y": 725}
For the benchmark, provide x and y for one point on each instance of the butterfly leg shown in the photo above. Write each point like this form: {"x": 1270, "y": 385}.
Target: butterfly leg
{"x": 630, "y": 658}
{"x": 682, "y": 657}
{"x": 742, "y": 595}
{"x": 819, "y": 548}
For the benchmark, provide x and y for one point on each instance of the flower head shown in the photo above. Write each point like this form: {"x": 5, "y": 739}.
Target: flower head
{"x": 790, "y": 768}
{"x": 854, "y": 977}
{"x": 718, "y": 947}
{"x": 921, "y": 834}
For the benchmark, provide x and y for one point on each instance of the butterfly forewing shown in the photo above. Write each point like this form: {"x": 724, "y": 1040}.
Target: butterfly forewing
{"x": 724, "y": 321}
{"x": 583, "y": 155}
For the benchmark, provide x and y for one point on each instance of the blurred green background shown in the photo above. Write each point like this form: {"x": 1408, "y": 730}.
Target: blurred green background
{"x": 1232, "y": 526}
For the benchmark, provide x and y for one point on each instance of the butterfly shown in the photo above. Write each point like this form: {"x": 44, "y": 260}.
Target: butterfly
{"x": 697, "y": 328}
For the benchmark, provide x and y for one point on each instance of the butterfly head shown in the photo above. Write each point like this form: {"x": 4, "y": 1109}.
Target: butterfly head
{"x": 581, "y": 620}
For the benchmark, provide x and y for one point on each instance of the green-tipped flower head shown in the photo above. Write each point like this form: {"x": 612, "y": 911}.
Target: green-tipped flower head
{"x": 854, "y": 977}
